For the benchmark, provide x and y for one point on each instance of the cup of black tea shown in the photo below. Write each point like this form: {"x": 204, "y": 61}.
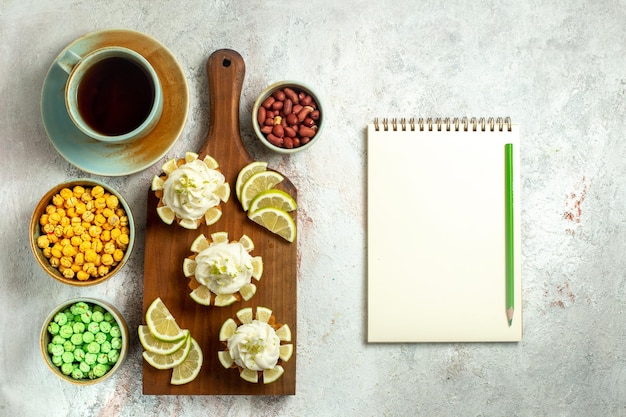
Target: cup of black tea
{"x": 112, "y": 94}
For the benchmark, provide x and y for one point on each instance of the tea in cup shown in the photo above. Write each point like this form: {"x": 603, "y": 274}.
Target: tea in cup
{"x": 112, "y": 94}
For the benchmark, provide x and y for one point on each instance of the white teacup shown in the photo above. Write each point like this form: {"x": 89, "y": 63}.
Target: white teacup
{"x": 112, "y": 94}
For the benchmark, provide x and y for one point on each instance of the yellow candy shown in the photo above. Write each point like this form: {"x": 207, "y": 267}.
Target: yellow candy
{"x": 107, "y": 259}
{"x": 43, "y": 242}
{"x": 112, "y": 201}
{"x": 118, "y": 255}
{"x": 82, "y": 275}
{"x": 66, "y": 193}
{"x": 78, "y": 191}
{"x": 97, "y": 191}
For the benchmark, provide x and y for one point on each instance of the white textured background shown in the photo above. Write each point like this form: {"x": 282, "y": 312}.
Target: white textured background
{"x": 558, "y": 68}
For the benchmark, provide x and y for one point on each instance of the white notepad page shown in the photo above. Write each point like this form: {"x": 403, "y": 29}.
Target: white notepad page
{"x": 436, "y": 236}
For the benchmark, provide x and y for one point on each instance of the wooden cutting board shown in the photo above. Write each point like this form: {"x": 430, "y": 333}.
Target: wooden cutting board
{"x": 167, "y": 245}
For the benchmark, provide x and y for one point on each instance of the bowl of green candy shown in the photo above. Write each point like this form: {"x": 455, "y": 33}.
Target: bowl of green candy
{"x": 84, "y": 340}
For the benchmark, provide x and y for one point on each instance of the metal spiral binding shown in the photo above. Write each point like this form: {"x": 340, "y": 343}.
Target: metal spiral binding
{"x": 448, "y": 124}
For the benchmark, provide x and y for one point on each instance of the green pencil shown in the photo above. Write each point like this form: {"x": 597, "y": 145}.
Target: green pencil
{"x": 510, "y": 262}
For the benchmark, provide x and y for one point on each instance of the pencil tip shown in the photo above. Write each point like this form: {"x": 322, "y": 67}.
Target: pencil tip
{"x": 509, "y": 315}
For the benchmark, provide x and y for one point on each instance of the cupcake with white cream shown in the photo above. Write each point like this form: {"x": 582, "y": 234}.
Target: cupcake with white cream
{"x": 190, "y": 191}
{"x": 257, "y": 346}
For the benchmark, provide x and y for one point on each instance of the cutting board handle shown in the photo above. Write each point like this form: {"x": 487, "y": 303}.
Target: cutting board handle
{"x": 225, "y": 70}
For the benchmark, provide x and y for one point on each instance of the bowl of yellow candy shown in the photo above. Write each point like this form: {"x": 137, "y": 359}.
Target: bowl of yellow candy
{"x": 84, "y": 340}
{"x": 82, "y": 232}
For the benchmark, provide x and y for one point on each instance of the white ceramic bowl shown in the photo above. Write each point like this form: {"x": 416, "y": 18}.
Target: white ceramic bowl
{"x": 296, "y": 87}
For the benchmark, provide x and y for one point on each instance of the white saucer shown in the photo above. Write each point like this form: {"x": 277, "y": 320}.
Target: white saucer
{"x": 116, "y": 159}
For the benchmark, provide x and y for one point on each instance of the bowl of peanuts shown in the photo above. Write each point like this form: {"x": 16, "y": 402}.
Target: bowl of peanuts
{"x": 82, "y": 232}
{"x": 288, "y": 117}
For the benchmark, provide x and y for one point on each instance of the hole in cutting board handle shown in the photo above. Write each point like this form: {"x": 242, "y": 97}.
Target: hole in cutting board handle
{"x": 226, "y": 62}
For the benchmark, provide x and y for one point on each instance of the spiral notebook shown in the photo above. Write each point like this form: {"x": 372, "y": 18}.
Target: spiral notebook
{"x": 443, "y": 225}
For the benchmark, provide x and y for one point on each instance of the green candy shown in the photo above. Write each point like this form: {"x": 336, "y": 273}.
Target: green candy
{"x": 86, "y": 317}
{"x": 85, "y": 341}
{"x": 67, "y": 357}
{"x": 113, "y": 355}
{"x": 100, "y": 369}
{"x": 53, "y": 328}
{"x": 78, "y": 327}
{"x": 60, "y": 319}
{"x": 79, "y": 308}
{"x": 77, "y": 373}
{"x": 115, "y": 331}
{"x": 100, "y": 338}
{"x": 57, "y": 350}
{"x": 105, "y": 347}
{"x": 116, "y": 343}
{"x": 67, "y": 368}
{"x": 58, "y": 340}
{"x": 66, "y": 331}
{"x": 93, "y": 327}
{"x": 105, "y": 327}
{"x": 57, "y": 360}
{"x": 77, "y": 339}
{"x": 93, "y": 347}
{"x": 91, "y": 358}
{"x": 79, "y": 355}
{"x": 84, "y": 366}
{"x": 88, "y": 337}
{"x": 97, "y": 316}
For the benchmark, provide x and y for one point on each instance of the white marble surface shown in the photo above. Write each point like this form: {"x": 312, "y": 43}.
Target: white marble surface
{"x": 558, "y": 68}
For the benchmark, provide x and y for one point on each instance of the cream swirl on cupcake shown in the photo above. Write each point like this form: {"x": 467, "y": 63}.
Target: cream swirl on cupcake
{"x": 224, "y": 267}
{"x": 255, "y": 346}
{"x": 190, "y": 190}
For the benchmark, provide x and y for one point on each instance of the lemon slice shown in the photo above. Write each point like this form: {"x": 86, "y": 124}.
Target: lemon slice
{"x": 190, "y": 368}
{"x": 166, "y": 214}
{"x": 225, "y": 359}
{"x": 276, "y": 221}
{"x": 189, "y": 224}
{"x": 227, "y": 330}
{"x": 263, "y": 314}
{"x": 271, "y": 375}
{"x": 199, "y": 244}
{"x": 223, "y": 192}
{"x": 210, "y": 162}
{"x": 247, "y": 291}
{"x": 250, "y": 375}
{"x": 212, "y": 215}
{"x": 162, "y": 324}
{"x": 247, "y": 243}
{"x": 157, "y": 183}
{"x": 273, "y": 198}
{"x": 169, "y": 361}
{"x": 257, "y": 183}
{"x": 189, "y": 267}
{"x": 169, "y": 166}
{"x": 284, "y": 333}
{"x": 246, "y": 173}
{"x": 190, "y": 156}
{"x": 222, "y": 300}
{"x": 219, "y": 237}
{"x": 285, "y": 352}
{"x": 201, "y": 295}
{"x": 153, "y": 345}
{"x": 257, "y": 267}
{"x": 245, "y": 315}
